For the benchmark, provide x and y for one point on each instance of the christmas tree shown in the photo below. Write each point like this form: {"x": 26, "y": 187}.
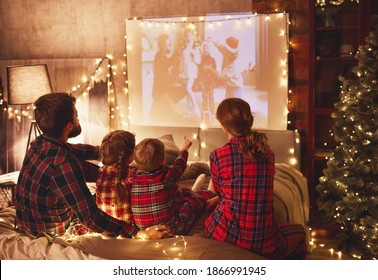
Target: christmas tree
{"x": 348, "y": 190}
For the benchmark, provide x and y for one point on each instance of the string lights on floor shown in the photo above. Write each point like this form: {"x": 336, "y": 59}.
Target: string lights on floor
{"x": 175, "y": 250}
{"x": 318, "y": 243}
{"x": 173, "y": 247}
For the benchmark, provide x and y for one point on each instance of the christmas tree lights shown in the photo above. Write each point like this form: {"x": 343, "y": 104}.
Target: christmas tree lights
{"x": 348, "y": 190}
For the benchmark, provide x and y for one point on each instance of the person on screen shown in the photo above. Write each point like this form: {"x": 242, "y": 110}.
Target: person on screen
{"x": 163, "y": 89}
{"x": 231, "y": 72}
{"x": 188, "y": 69}
{"x": 51, "y": 190}
{"x": 207, "y": 79}
{"x": 112, "y": 188}
{"x": 155, "y": 197}
{"x": 242, "y": 173}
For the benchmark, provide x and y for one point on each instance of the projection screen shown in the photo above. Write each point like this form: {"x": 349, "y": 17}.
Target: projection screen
{"x": 180, "y": 69}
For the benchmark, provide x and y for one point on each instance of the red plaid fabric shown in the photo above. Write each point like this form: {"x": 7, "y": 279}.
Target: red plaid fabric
{"x": 106, "y": 194}
{"x": 155, "y": 198}
{"x": 244, "y": 214}
{"x": 51, "y": 190}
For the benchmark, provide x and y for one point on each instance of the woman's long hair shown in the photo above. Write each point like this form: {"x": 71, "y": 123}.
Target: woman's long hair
{"x": 116, "y": 148}
{"x": 235, "y": 115}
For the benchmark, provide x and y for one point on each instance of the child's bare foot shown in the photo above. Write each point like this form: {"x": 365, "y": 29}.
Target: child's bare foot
{"x": 200, "y": 181}
{"x": 211, "y": 187}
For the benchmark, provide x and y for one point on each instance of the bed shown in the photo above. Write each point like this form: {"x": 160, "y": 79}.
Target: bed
{"x": 291, "y": 205}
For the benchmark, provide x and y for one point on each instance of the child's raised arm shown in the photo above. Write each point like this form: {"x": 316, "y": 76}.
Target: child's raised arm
{"x": 186, "y": 143}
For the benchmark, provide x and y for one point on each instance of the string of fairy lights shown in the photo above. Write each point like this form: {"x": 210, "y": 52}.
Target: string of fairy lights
{"x": 173, "y": 247}
{"x": 82, "y": 90}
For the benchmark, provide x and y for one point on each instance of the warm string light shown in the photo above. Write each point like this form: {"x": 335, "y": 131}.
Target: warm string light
{"x": 334, "y": 254}
{"x": 172, "y": 251}
{"x": 199, "y": 19}
{"x": 333, "y": 2}
{"x": 176, "y": 250}
{"x": 126, "y": 123}
{"x": 83, "y": 89}
{"x": 79, "y": 91}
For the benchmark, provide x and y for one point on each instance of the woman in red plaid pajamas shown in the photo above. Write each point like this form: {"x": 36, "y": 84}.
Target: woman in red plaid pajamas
{"x": 242, "y": 173}
{"x": 155, "y": 197}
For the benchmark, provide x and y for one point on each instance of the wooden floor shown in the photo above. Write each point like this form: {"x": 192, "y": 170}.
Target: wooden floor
{"x": 326, "y": 244}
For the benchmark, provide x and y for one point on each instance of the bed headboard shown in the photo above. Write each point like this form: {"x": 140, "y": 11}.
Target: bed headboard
{"x": 284, "y": 143}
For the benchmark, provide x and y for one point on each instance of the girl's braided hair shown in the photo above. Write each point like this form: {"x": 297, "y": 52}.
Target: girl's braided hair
{"x": 116, "y": 149}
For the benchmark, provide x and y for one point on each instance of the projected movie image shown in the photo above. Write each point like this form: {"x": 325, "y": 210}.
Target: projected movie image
{"x": 179, "y": 70}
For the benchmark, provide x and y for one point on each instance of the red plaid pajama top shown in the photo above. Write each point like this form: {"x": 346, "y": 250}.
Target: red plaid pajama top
{"x": 156, "y": 199}
{"x": 106, "y": 194}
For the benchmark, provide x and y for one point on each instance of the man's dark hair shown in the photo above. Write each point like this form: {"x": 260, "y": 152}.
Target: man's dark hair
{"x": 53, "y": 111}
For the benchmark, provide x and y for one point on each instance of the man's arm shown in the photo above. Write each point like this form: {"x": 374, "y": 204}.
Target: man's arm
{"x": 85, "y": 152}
{"x": 69, "y": 183}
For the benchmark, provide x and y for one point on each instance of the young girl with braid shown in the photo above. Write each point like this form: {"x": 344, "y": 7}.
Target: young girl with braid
{"x": 112, "y": 188}
{"x": 242, "y": 173}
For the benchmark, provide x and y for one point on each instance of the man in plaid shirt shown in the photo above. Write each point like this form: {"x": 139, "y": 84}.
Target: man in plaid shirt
{"x": 51, "y": 190}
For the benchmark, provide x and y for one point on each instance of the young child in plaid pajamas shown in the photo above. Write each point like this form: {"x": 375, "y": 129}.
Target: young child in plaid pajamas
{"x": 242, "y": 173}
{"x": 155, "y": 197}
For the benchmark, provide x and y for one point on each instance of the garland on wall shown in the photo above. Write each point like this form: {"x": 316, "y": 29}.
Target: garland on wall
{"x": 115, "y": 116}
{"x": 103, "y": 66}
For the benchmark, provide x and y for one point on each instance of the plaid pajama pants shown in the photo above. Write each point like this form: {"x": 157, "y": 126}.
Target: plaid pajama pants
{"x": 291, "y": 243}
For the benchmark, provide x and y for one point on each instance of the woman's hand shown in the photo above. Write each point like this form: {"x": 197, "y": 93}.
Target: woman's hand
{"x": 154, "y": 232}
